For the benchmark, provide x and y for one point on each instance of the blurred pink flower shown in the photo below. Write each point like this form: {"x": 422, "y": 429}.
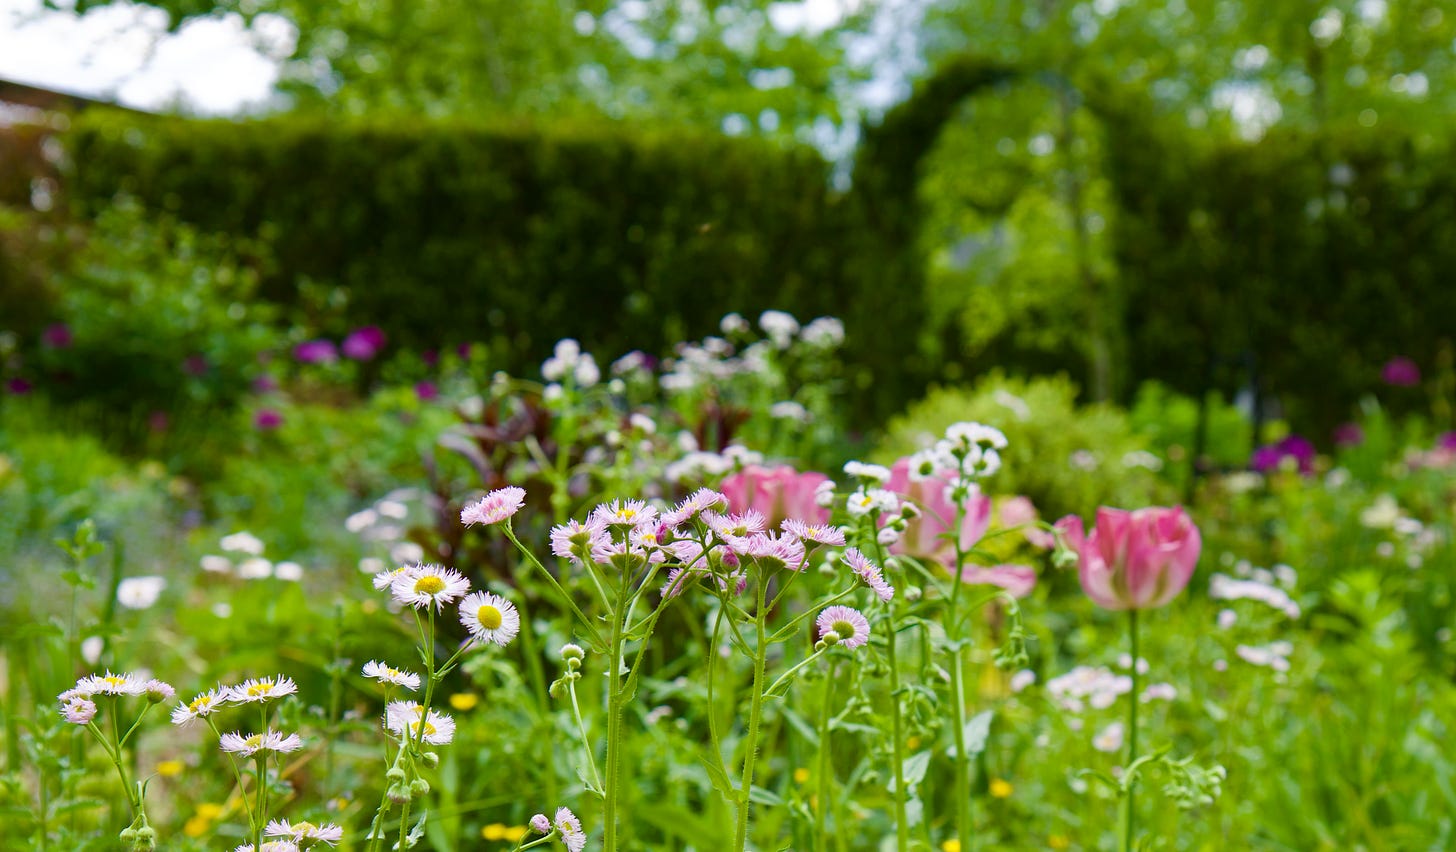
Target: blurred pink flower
{"x": 1134, "y": 560}
{"x": 1019, "y": 580}
{"x": 426, "y": 391}
{"x": 1401, "y": 372}
{"x": 18, "y": 386}
{"x": 1021, "y": 512}
{"x": 316, "y": 352}
{"x": 57, "y": 336}
{"x": 267, "y": 419}
{"x": 778, "y": 493}
{"x": 364, "y": 343}
{"x": 923, "y": 536}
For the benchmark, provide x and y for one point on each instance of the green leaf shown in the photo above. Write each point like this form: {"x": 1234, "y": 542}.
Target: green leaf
{"x": 765, "y": 797}
{"x": 719, "y": 778}
{"x": 915, "y": 768}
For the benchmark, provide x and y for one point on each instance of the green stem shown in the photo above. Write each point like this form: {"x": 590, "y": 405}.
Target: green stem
{"x": 826, "y": 762}
{"x": 614, "y": 721}
{"x": 1129, "y": 816}
{"x": 586, "y": 623}
{"x": 962, "y": 762}
{"x": 237, "y": 772}
{"x": 586, "y": 745}
{"x": 902, "y": 821}
{"x": 755, "y": 717}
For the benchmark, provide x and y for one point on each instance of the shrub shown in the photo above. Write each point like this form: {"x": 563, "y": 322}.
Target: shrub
{"x": 1065, "y": 457}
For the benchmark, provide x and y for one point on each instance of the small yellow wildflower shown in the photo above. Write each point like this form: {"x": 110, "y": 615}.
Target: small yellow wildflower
{"x": 196, "y": 826}
{"x": 170, "y": 768}
{"x": 951, "y": 845}
{"x": 801, "y": 775}
{"x": 514, "y": 833}
{"x": 913, "y": 742}
{"x": 209, "y": 811}
{"x": 463, "y": 701}
{"x": 494, "y": 831}
{"x": 1001, "y": 788}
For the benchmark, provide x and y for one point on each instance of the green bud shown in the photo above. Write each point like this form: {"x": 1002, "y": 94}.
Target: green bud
{"x": 395, "y": 775}
{"x": 397, "y": 794}
{"x": 419, "y": 788}
{"x": 431, "y": 759}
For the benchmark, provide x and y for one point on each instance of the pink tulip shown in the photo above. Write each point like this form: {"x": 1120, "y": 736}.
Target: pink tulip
{"x": 1019, "y": 580}
{"x": 1021, "y": 512}
{"x": 1134, "y": 560}
{"x": 779, "y": 493}
{"x": 926, "y": 536}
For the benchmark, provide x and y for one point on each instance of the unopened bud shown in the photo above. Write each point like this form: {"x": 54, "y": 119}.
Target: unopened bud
{"x": 431, "y": 759}
{"x": 571, "y": 651}
{"x": 419, "y": 788}
{"x": 540, "y": 824}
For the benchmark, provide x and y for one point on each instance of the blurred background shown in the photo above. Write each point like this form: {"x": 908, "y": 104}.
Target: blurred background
{"x": 1227, "y": 197}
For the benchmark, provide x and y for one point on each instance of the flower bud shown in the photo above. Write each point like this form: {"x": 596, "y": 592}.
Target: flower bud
{"x": 830, "y": 638}
{"x": 395, "y": 775}
{"x": 540, "y": 824}
{"x": 397, "y": 794}
{"x": 419, "y": 788}
{"x": 431, "y": 759}
{"x": 571, "y": 651}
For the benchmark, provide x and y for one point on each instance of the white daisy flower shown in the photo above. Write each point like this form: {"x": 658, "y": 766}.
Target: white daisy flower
{"x": 304, "y": 832}
{"x": 875, "y": 473}
{"x": 111, "y": 684}
{"x": 384, "y": 579}
{"x": 403, "y": 718}
{"x": 261, "y": 689}
{"x": 204, "y": 704}
{"x": 570, "y": 828}
{"x": 490, "y": 617}
{"x": 817, "y": 533}
{"x": 270, "y": 846}
{"x": 242, "y": 542}
{"x": 384, "y": 674}
{"x": 848, "y": 624}
{"x": 247, "y": 746}
{"x": 624, "y": 513}
{"x": 424, "y": 586}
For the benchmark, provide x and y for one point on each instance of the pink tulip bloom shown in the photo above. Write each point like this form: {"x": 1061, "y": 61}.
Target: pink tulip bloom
{"x": 778, "y": 493}
{"x": 1021, "y": 512}
{"x": 1134, "y": 560}
{"x": 1019, "y": 580}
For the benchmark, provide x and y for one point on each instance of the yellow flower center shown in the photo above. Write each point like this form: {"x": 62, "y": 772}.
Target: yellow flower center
{"x": 303, "y": 827}
{"x": 430, "y": 585}
{"x": 258, "y": 689}
{"x": 392, "y": 672}
{"x": 628, "y": 514}
{"x": 844, "y": 629}
{"x": 113, "y": 680}
{"x": 490, "y": 617}
{"x": 253, "y": 741}
{"x": 428, "y": 728}
{"x": 201, "y": 702}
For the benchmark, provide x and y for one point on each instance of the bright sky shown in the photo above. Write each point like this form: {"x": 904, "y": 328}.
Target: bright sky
{"x": 123, "y": 52}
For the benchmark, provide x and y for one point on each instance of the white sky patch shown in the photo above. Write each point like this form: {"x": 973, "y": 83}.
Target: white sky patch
{"x": 811, "y": 17}
{"x": 123, "y": 52}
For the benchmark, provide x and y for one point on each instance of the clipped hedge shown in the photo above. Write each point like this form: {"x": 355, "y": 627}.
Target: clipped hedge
{"x": 445, "y": 232}
{"x": 1301, "y": 263}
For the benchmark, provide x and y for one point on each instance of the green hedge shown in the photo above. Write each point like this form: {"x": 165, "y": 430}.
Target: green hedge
{"x": 446, "y": 232}
{"x": 1306, "y": 261}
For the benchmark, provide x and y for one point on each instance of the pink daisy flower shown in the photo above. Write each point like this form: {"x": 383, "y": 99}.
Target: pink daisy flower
{"x": 848, "y": 624}
{"x": 869, "y": 572}
{"x": 495, "y": 507}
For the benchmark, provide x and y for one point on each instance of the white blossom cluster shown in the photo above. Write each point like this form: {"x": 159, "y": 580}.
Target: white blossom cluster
{"x": 245, "y": 560}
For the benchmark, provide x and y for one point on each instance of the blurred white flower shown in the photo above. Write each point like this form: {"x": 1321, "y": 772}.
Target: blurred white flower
{"x": 242, "y": 542}
{"x": 290, "y": 571}
{"x": 139, "y": 592}
{"x": 1109, "y": 739}
{"x": 216, "y": 564}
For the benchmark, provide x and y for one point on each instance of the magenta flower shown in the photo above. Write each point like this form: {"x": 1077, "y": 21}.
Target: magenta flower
{"x": 195, "y": 365}
{"x": 18, "y": 386}
{"x": 494, "y": 507}
{"x": 426, "y": 391}
{"x": 267, "y": 419}
{"x": 1401, "y": 372}
{"x": 924, "y": 535}
{"x": 1447, "y": 441}
{"x": 364, "y": 343}
{"x": 1349, "y": 435}
{"x": 1271, "y": 456}
{"x": 847, "y": 623}
{"x": 778, "y": 493}
{"x": 57, "y": 336}
{"x": 1134, "y": 560}
{"x": 316, "y": 352}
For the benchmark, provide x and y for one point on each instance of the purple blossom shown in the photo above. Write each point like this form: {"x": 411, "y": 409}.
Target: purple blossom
{"x": 1447, "y": 442}
{"x": 426, "y": 391}
{"x": 316, "y": 352}
{"x": 265, "y": 384}
{"x": 1349, "y": 435}
{"x": 57, "y": 336}
{"x": 267, "y": 419}
{"x": 1401, "y": 372}
{"x": 195, "y": 365}
{"x": 18, "y": 386}
{"x": 363, "y": 344}
{"x": 1270, "y": 456}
